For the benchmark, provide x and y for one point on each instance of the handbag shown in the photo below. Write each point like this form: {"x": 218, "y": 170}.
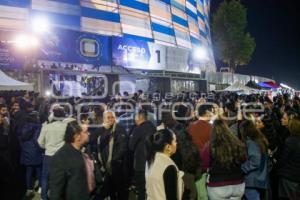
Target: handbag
{"x": 201, "y": 187}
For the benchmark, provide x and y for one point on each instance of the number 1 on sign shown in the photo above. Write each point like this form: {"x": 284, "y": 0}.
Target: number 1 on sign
{"x": 158, "y": 55}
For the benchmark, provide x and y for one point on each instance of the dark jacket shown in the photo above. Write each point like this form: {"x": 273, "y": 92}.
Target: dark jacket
{"x": 31, "y": 153}
{"x": 289, "y": 161}
{"x": 4, "y": 135}
{"x": 270, "y": 132}
{"x": 219, "y": 173}
{"x": 284, "y": 133}
{"x": 119, "y": 153}
{"x": 67, "y": 176}
{"x": 187, "y": 156}
{"x": 137, "y": 144}
{"x": 255, "y": 167}
{"x": 17, "y": 122}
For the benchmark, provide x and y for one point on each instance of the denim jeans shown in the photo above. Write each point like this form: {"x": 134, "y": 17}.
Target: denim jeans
{"x": 234, "y": 192}
{"x": 252, "y": 194}
{"x": 29, "y": 170}
{"x": 45, "y": 177}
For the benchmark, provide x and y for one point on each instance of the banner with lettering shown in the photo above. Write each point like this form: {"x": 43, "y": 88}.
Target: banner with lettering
{"x": 138, "y": 54}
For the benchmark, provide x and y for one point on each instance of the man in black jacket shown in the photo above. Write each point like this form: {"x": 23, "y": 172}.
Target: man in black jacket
{"x": 112, "y": 154}
{"x": 68, "y": 177}
{"x": 6, "y": 169}
{"x": 137, "y": 141}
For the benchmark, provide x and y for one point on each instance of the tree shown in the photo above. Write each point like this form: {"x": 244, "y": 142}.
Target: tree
{"x": 233, "y": 45}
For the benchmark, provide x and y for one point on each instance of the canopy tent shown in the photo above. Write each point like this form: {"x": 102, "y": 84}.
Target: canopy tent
{"x": 238, "y": 87}
{"x": 268, "y": 85}
{"x": 284, "y": 86}
{"x": 8, "y": 83}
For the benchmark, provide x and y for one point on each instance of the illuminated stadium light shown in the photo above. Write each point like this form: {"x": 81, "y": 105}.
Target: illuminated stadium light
{"x": 22, "y": 41}
{"x": 200, "y": 54}
{"x": 40, "y": 25}
{"x": 33, "y": 41}
{"x": 26, "y": 42}
{"x": 48, "y": 93}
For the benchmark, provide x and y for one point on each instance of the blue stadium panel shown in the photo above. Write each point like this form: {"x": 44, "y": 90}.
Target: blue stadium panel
{"x": 182, "y": 23}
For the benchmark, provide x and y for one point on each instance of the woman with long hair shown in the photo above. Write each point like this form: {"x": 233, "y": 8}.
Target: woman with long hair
{"x": 289, "y": 163}
{"x": 287, "y": 116}
{"x": 284, "y": 132}
{"x": 222, "y": 157}
{"x": 163, "y": 179}
{"x": 255, "y": 167}
{"x": 268, "y": 128}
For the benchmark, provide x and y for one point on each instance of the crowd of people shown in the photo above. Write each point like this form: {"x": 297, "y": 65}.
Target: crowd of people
{"x": 183, "y": 147}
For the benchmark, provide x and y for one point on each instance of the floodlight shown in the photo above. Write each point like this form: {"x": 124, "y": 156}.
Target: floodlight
{"x": 33, "y": 41}
{"x": 48, "y": 93}
{"x": 200, "y": 54}
{"x": 24, "y": 41}
{"x": 40, "y": 25}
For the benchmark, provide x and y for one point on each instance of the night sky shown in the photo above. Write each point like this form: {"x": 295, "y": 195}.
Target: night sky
{"x": 275, "y": 25}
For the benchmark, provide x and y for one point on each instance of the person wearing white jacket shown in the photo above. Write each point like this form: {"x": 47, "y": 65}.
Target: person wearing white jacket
{"x": 51, "y": 139}
{"x": 163, "y": 179}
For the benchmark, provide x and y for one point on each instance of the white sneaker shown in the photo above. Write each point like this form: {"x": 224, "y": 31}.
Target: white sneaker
{"x": 39, "y": 190}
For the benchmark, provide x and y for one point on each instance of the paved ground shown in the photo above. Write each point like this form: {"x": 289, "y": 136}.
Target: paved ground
{"x": 34, "y": 196}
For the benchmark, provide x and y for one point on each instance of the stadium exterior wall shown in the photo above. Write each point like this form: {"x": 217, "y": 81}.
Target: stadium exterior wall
{"x": 113, "y": 37}
{"x": 135, "y": 34}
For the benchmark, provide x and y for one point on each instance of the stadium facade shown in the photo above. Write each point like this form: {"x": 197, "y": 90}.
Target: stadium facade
{"x": 156, "y": 44}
